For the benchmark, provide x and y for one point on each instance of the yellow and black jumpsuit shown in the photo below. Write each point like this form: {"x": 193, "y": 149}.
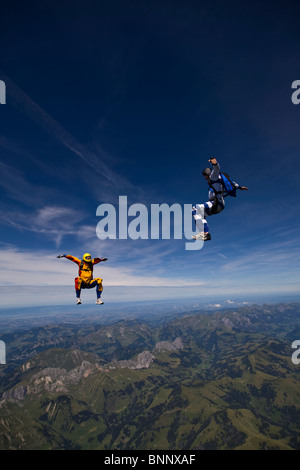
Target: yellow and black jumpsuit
{"x": 85, "y": 275}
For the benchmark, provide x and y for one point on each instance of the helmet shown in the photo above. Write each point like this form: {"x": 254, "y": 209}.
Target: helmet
{"x": 87, "y": 257}
{"x": 206, "y": 172}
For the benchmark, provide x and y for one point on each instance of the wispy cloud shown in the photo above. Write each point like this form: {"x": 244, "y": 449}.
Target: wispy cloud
{"x": 24, "y": 104}
{"x": 274, "y": 258}
{"x": 54, "y": 222}
{"x": 16, "y": 185}
{"x": 32, "y": 211}
{"x": 43, "y": 268}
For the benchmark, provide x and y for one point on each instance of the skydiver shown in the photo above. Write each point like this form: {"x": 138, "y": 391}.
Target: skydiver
{"x": 85, "y": 275}
{"x": 216, "y": 202}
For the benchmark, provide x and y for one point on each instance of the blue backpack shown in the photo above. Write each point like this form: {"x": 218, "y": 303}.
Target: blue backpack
{"x": 229, "y": 187}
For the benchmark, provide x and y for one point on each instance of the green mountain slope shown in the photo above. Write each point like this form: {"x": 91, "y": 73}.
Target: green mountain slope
{"x": 222, "y": 381}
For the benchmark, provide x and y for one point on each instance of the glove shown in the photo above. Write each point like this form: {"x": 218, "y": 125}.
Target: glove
{"x": 103, "y": 259}
{"x": 61, "y": 256}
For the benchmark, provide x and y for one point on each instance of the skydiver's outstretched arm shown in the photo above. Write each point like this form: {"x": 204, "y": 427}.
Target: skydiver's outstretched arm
{"x": 98, "y": 260}
{"x": 77, "y": 261}
{"x": 214, "y": 162}
{"x": 216, "y": 169}
{"x": 242, "y": 188}
{"x": 71, "y": 258}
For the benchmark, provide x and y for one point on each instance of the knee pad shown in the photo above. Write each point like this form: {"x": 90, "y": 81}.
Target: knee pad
{"x": 78, "y": 282}
{"x": 98, "y": 281}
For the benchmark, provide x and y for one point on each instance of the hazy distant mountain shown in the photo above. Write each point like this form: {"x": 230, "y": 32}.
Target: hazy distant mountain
{"x": 217, "y": 381}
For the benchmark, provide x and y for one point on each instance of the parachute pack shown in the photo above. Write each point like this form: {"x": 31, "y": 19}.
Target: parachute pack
{"x": 229, "y": 186}
{"x": 82, "y": 263}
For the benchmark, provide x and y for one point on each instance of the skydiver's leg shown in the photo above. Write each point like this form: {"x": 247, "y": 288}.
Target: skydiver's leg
{"x": 78, "y": 282}
{"x": 99, "y": 288}
{"x": 200, "y": 212}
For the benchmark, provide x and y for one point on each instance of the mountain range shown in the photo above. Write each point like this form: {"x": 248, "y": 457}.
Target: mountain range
{"x": 222, "y": 380}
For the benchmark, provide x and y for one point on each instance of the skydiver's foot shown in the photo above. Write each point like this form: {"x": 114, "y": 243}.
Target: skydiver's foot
{"x": 202, "y": 236}
{"x": 99, "y": 302}
{"x": 78, "y": 301}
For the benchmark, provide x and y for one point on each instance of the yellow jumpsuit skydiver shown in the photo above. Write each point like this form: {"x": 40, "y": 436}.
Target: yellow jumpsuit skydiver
{"x": 85, "y": 275}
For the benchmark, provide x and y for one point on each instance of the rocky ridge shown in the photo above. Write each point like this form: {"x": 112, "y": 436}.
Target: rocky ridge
{"x": 58, "y": 380}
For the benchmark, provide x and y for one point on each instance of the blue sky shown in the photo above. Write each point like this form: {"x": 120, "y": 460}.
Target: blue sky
{"x": 132, "y": 98}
